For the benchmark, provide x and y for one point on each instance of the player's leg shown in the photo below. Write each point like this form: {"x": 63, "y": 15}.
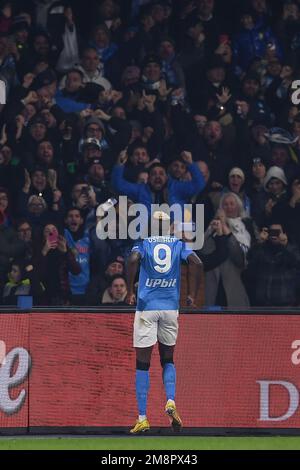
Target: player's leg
{"x": 145, "y": 336}
{"x": 169, "y": 379}
{"x": 142, "y": 383}
{"x": 167, "y": 335}
{"x": 166, "y": 354}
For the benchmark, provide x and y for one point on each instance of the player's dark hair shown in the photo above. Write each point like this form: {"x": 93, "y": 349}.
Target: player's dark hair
{"x": 161, "y": 231}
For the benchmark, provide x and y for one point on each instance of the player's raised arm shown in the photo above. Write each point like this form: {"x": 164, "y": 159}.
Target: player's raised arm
{"x": 132, "y": 268}
{"x": 194, "y": 272}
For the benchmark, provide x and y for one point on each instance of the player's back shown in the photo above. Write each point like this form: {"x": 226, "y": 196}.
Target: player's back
{"x": 159, "y": 281}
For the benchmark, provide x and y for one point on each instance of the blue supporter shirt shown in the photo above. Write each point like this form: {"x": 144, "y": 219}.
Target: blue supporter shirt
{"x": 79, "y": 282}
{"x": 159, "y": 280}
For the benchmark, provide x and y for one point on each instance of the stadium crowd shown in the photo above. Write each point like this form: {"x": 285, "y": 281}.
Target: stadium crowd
{"x": 171, "y": 101}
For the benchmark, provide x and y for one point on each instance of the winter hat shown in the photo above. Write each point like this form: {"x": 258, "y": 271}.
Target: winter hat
{"x": 94, "y": 120}
{"x": 274, "y": 172}
{"x": 237, "y": 171}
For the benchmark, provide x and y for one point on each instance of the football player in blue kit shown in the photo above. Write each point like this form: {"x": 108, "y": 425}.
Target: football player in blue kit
{"x": 156, "y": 317}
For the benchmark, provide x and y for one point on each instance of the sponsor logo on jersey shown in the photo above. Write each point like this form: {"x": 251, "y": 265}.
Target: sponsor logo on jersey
{"x": 161, "y": 282}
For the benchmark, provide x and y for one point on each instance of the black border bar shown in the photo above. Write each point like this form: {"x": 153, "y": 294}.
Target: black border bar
{"x": 155, "y": 431}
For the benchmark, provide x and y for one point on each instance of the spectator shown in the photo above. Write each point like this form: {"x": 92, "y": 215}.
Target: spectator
{"x": 287, "y": 212}
{"x": 204, "y": 197}
{"x": 263, "y": 204}
{"x": 54, "y": 260}
{"x": 40, "y": 55}
{"x": 215, "y": 155}
{"x": 24, "y": 231}
{"x": 110, "y": 269}
{"x": 91, "y": 68}
{"x": 171, "y": 68}
{"x": 256, "y": 180}
{"x": 281, "y": 158}
{"x": 42, "y": 183}
{"x": 65, "y": 38}
{"x": 139, "y": 159}
{"x": 158, "y": 184}
{"x": 205, "y": 14}
{"x": 10, "y": 247}
{"x": 224, "y": 285}
{"x": 164, "y": 80}
{"x": 21, "y": 30}
{"x": 95, "y": 178}
{"x": 8, "y": 62}
{"x": 116, "y": 293}
{"x": 84, "y": 199}
{"x": 72, "y": 97}
{"x": 107, "y": 52}
{"x": 272, "y": 272}
{"x": 215, "y": 249}
{"x": 177, "y": 169}
{"x": 252, "y": 41}
{"x": 236, "y": 180}
{"x": 22, "y": 281}
{"x": 11, "y": 173}
{"x": 78, "y": 240}
{"x": 4, "y": 207}
{"x": 6, "y": 17}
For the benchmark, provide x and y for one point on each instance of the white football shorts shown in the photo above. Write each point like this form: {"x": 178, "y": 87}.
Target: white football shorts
{"x": 151, "y": 326}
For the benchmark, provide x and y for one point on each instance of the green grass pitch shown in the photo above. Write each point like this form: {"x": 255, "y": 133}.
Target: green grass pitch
{"x": 150, "y": 443}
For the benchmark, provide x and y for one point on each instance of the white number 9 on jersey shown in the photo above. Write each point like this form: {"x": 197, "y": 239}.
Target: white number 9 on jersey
{"x": 163, "y": 263}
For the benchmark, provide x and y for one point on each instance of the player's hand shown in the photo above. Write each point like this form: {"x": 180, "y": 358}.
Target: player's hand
{"x": 130, "y": 299}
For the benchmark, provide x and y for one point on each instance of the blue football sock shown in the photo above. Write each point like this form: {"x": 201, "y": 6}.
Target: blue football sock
{"x": 142, "y": 383}
{"x": 169, "y": 379}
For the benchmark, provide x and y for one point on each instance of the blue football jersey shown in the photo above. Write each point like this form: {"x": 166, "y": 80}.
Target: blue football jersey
{"x": 159, "y": 280}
